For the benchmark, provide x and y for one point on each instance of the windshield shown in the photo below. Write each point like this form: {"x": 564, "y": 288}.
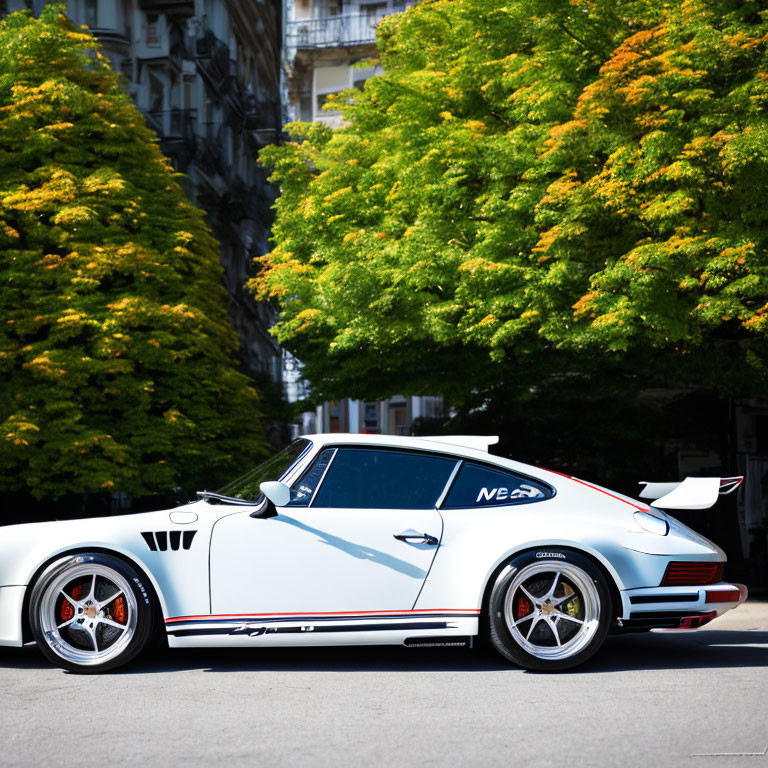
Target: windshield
{"x": 247, "y": 486}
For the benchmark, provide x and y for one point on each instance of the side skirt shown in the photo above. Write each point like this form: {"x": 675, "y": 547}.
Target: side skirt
{"x": 430, "y": 628}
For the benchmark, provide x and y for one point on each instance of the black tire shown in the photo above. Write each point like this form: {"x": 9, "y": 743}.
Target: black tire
{"x": 547, "y": 627}
{"x": 93, "y": 636}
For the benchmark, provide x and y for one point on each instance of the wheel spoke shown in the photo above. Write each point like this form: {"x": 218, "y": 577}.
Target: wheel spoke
{"x": 566, "y": 599}
{"x": 92, "y": 595}
{"x": 553, "y": 627}
{"x": 71, "y": 600}
{"x": 92, "y": 635}
{"x": 527, "y": 617}
{"x": 534, "y": 600}
{"x": 566, "y": 617}
{"x": 554, "y": 585}
{"x": 67, "y": 623}
{"x": 111, "y": 623}
{"x": 117, "y": 594}
{"x": 535, "y": 621}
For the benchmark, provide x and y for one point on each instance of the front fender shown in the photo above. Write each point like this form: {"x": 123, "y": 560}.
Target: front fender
{"x": 179, "y": 575}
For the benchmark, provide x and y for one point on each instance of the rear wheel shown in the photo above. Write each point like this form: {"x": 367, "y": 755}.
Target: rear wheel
{"x": 550, "y": 610}
{"x": 90, "y": 613}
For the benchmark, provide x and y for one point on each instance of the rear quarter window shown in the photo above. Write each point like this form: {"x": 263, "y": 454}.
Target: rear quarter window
{"x": 478, "y": 485}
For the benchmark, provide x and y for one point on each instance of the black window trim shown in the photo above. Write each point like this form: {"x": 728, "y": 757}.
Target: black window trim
{"x": 460, "y": 461}
{"x": 322, "y": 477}
{"x": 508, "y": 502}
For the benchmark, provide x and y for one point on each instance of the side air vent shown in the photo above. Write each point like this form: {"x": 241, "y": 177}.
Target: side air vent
{"x": 159, "y": 540}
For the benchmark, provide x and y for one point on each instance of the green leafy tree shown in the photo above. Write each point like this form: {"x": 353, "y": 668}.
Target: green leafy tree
{"x": 670, "y": 223}
{"x": 117, "y": 363}
{"x": 530, "y": 189}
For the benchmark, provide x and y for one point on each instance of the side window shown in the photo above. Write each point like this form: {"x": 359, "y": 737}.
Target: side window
{"x": 478, "y": 485}
{"x": 304, "y": 489}
{"x": 384, "y": 479}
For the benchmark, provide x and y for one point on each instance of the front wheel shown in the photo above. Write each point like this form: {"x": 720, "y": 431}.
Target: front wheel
{"x": 549, "y": 610}
{"x": 90, "y": 613}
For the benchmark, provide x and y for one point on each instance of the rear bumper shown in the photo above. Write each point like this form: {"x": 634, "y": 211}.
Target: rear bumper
{"x": 678, "y": 607}
{"x": 11, "y": 601}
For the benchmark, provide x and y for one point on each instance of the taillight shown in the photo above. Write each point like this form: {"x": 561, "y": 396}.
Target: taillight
{"x": 692, "y": 574}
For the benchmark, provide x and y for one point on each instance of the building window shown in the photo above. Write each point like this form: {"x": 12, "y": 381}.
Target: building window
{"x": 211, "y": 119}
{"x": 189, "y": 83}
{"x": 329, "y": 8}
{"x": 371, "y": 417}
{"x": 127, "y": 17}
{"x": 373, "y": 12}
{"x": 334, "y": 416}
{"x": 398, "y": 418}
{"x": 432, "y": 407}
{"x": 361, "y": 74}
{"x": 322, "y": 98}
{"x": 156, "y": 93}
{"x": 153, "y": 31}
{"x": 92, "y": 13}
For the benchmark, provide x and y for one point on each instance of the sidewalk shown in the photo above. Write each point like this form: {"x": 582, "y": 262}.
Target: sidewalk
{"x": 751, "y": 615}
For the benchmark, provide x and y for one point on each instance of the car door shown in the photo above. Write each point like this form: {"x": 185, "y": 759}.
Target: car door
{"x": 359, "y": 535}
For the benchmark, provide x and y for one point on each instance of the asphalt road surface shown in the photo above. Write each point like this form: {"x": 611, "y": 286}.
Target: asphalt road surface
{"x": 646, "y": 700}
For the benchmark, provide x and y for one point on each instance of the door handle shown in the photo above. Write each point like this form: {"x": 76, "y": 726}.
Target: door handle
{"x": 415, "y": 536}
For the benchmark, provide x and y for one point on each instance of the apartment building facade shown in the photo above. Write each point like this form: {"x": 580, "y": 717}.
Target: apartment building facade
{"x": 206, "y": 76}
{"x": 330, "y": 45}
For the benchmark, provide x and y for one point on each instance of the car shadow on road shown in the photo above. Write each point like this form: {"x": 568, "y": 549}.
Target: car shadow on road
{"x": 711, "y": 649}
{"x": 670, "y": 650}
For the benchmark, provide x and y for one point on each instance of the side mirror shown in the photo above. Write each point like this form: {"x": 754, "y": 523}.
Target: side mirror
{"x": 278, "y": 493}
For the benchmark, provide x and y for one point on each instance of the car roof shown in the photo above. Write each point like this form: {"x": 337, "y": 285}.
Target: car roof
{"x": 459, "y": 444}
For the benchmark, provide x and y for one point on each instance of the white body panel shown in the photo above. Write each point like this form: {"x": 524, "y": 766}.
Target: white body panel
{"x": 338, "y": 576}
{"x": 11, "y": 599}
{"x": 315, "y": 559}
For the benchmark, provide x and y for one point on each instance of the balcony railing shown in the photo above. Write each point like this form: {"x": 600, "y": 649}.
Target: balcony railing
{"x": 331, "y": 31}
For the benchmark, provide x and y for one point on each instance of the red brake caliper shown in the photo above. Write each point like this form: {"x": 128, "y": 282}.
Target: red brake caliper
{"x": 67, "y": 610}
{"x": 523, "y": 607}
{"x": 118, "y": 610}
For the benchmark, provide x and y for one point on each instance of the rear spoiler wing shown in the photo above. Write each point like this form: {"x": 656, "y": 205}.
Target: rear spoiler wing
{"x": 691, "y": 493}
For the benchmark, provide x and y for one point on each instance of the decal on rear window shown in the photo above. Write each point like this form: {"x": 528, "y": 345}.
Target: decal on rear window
{"x": 523, "y": 491}
{"x": 479, "y": 485}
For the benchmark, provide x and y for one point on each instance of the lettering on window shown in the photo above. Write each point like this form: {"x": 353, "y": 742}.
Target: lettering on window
{"x": 522, "y": 491}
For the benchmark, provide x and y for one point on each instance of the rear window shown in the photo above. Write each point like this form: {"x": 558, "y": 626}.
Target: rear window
{"x": 478, "y": 485}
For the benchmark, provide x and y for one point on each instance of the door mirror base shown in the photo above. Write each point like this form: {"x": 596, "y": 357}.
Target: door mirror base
{"x": 265, "y": 510}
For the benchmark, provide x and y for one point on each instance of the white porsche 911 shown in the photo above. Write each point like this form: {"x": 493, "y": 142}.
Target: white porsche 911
{"x": 366, "y": 539}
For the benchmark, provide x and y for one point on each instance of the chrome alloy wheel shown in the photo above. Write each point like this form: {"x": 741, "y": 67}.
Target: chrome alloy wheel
{"x": 88, "y": 614}
{"x": 552, "y": 610}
